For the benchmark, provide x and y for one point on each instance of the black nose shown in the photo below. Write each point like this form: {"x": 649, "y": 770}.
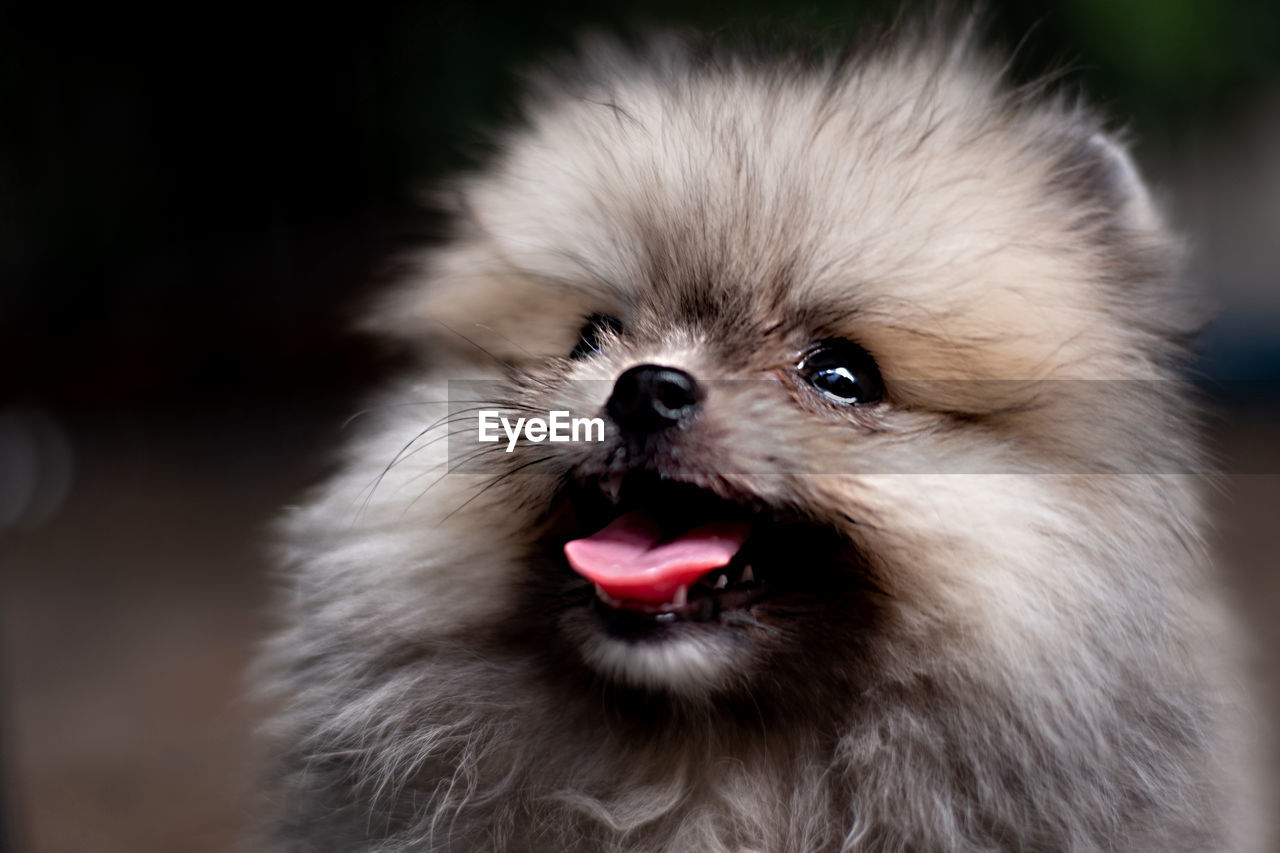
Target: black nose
{"x": 647, "y": 398}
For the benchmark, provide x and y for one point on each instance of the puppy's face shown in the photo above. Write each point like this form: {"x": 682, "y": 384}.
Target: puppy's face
{"x": 832, "y": 335}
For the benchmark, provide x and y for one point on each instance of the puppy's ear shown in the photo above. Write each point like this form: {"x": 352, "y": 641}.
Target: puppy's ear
{"x": 1100, "y": 172}
{"x": 459, "y": 301}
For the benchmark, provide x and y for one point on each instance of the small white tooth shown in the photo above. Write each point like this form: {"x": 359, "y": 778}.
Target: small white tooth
{"x": 748, "y": 576}
{"x": 682, "y": 596}
{"x": 722, "y": 581}
{"x": 611, "y": 486}
{"x": 606, "y": 597}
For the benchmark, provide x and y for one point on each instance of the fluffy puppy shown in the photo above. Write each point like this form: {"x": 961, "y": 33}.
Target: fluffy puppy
{"x": 891, "y": 542}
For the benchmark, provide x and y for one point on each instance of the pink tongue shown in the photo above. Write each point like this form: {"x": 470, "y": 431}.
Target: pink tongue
{"x": 626, "y": 560}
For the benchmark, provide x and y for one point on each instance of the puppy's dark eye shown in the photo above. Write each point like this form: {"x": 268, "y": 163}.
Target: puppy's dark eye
{"x": 844, "y": 372}
{"x": 589, "y": 337}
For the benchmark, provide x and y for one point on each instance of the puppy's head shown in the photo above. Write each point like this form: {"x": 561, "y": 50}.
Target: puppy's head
{"x": 847, "y": 326}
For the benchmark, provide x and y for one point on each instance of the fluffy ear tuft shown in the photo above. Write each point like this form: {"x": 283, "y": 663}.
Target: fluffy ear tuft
{"x": 451, "y": 304}
{"x": 1104, "y": 172}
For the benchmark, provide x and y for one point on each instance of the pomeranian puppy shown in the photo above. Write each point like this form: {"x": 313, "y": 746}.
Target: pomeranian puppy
{"x": 882, "y": 534}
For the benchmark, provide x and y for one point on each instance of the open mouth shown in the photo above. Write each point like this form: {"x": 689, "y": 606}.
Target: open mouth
{"x": 662, "y": 551}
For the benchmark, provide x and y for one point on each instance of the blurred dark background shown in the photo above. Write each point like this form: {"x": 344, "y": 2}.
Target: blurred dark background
{"x": 194, "y": 200}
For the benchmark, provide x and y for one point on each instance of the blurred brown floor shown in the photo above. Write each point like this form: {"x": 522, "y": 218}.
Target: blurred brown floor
{"x": 127, "y": 618}
{"x": 125, "y": 625}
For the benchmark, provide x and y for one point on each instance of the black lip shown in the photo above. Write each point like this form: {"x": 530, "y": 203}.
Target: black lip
{"x": 704, "y": 605}
{"x": 675, "y": 504}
